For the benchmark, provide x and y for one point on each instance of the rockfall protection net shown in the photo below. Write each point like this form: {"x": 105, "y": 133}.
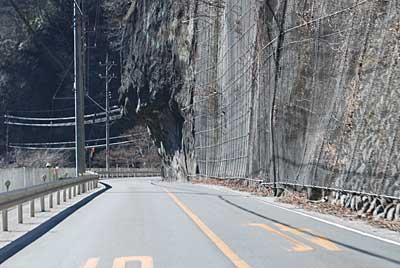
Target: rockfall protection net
{"x": 299, "y": 92}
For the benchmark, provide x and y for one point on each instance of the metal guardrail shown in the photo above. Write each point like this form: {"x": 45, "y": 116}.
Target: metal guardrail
{"x": 262, "y": 182}
{"x": 75, "y": 186}
{"x": 125, "y": 172}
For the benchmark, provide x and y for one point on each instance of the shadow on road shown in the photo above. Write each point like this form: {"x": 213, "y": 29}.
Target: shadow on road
{"x": 23, "y": 241}
{"x": 196, "y": 192}
{"x": 311, "y": 234}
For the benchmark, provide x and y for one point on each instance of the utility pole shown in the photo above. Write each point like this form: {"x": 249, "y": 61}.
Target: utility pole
{"x": 108, "y": 66}
{"x": 7, "y": 139}
{"x": 80, "y": 159}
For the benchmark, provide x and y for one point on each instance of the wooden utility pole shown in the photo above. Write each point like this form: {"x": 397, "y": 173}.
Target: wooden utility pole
{"x": 80, "y": 159}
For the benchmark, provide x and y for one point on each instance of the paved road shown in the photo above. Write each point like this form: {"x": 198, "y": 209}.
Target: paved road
{"x": 143, "y": 223}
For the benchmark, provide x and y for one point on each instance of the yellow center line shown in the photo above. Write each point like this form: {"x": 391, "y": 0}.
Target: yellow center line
{"x": 322, "y": 241}
{"x": 224, "y": 248}
{"x": 91, "y": 263}
{"x": 145, "y": 261}
{"x": 298, "y": 246}
{"x": 316, "y": 239}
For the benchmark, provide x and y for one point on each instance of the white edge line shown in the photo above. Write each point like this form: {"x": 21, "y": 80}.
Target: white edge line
{"x": 322, "y": 220}
{"x": 333, "y": 224}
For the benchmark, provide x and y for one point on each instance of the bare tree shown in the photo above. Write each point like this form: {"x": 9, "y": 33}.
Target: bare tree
{"x": 141, "y": 152}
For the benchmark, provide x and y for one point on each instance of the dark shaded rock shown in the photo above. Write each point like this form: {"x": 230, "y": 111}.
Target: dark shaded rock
{"x": 388, "y": 207}
{"x": 356, "y": 203}
{"x": 379, "y": 216}
{"x": 391, "y": 213}
{"x": 378, "y": 211}
{"x": 314, "y": 193}
{"x": 364, "y": 208}
{"x": 372, "y": 206}
{"x": 384, "y": 201}
{"x": 348, "y": 201}
{"x": 36, "y": 52}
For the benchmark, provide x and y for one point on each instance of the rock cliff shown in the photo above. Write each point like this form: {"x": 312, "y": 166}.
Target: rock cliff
{"x": 302, "y": 92}
{"x": 156, "y": 41}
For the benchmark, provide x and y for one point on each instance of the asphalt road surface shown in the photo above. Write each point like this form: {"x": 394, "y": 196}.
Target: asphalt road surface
{"x": 147, "y": 223}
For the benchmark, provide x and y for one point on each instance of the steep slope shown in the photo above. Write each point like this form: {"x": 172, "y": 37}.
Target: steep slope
{"x": 298, "y": 92}
{"x": 156, "y": 47}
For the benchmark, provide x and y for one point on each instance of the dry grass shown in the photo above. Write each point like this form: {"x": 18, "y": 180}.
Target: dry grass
{"x": 300, "y": 200}
{"x": 238, "y": 185}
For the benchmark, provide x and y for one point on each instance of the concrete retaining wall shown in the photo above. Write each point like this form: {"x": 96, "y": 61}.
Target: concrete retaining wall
{"x": 25, "y": 177}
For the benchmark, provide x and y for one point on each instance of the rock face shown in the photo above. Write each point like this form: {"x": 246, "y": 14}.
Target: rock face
{"x": 289, "y": 91}
{"x": 156, "y": 55}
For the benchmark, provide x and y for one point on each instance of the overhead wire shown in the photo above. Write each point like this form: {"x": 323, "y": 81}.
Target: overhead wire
{"x": 73, "y": 148}
{"x": 70, "y": 124}
{"x": 73, "y": 142}
{"x": 57, "y": 118}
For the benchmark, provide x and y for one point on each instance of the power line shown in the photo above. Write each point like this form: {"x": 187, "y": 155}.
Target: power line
{"x": 73, "y": 148}
{"x": 88, "y": 116}
{"x": 73, "y": 142}
{"x": 70, "y": 124}
{"x": 114, "y": 106}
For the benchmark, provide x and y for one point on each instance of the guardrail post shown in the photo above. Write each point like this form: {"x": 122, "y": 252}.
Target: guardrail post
{"x": 69, "y": 193}
{"x": 20, "y": 214}
{"x": 5, "y": 220}
{"x": 42, "y": 208}
{"x": 51, "y": 200}
{"x": 65, "y": 195}
{"x": 79, "y": 189}
{"x": 58, "y": 198}
{"x": 33, "y": 208}
{"x": 74, "y": 190}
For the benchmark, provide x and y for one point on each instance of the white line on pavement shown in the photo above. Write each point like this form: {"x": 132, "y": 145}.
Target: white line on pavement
{"x": 320, "y": 220}
{"x": 333, "y": 223}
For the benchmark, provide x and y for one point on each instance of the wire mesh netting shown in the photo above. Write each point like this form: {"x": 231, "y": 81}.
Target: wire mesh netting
{"x": 299, "y": 92}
